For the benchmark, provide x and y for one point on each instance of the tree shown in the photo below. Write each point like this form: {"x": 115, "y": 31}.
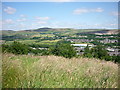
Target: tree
{"x": 5, "y": 48}
{"x": 63, "y": 49}
{"x": 116, "y": 58}
{"x": 18, "y": 48}
{"x": 100, "y": 52}
{"x": 87, "y": 52}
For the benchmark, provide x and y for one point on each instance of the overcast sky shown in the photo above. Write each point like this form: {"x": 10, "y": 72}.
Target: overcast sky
{"x": 32, "y": 15}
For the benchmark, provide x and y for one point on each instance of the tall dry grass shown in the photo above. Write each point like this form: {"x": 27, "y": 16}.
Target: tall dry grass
{"x": 27, "y": 71}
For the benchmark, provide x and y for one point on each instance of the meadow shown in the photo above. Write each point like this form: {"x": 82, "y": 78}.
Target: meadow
{"x": 29, "y": 71}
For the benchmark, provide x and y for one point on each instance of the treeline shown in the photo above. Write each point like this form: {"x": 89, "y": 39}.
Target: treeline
{"x": 13, "y": 37}
{"x": 62, "y": 48}
{"x": 19, "y": 48}
{"x": 96, "y": 42}
{"x": 100, "y": 52}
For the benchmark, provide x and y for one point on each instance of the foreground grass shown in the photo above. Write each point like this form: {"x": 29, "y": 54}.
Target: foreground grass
{"x": 27, "y": 71}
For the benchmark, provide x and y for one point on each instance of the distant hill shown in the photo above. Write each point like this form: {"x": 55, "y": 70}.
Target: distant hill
{"x": 62, "y": 31}
{"x": 40, "y": 29}
{"x": 81, "y": 31}
{"x": 101, "y": 32}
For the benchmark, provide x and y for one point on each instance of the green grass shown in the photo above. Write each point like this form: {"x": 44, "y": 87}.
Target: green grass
{"x": 43, "y": 35}
{"x": 22, "y": 41}
{"x": 46, "y": 42}
{"x": 27, "y": 71}
{"x": 49, "y": 42}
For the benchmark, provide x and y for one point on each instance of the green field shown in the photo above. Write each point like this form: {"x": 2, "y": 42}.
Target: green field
{"x": 28, "y": 71}
{"x": 29, "y": 42}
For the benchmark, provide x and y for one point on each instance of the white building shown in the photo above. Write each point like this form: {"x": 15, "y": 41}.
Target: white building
{"x": 82, "y": 45}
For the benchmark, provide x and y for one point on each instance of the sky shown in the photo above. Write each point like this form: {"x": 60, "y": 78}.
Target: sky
{"x": 78, "y": 15}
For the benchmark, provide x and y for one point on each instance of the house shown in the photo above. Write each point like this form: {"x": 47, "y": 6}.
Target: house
{"x": 80, "y": 48}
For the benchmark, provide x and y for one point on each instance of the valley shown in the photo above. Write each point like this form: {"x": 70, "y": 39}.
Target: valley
{"x": 47, "y": 37}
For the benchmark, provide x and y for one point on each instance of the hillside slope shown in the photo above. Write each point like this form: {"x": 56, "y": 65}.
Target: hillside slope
{"x": 27, "y": 71}
{"x": 106, "y": 32}
{"x": 57, "y": 30}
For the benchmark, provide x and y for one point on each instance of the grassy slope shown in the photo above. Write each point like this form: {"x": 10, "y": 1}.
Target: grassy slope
{"x": 37, "y": 33}
{"x": 27, "y": 71}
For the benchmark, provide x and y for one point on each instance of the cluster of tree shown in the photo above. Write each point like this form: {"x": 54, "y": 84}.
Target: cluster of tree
{"x": 16, "y": 48}
{"x": 100, "y": 52}
{"x": 13, "y": 37}
{"x": 62, "y": 48}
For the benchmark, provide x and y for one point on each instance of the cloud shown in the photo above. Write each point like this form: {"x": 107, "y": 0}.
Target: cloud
{"x": 8, "y": 21}
{"x": 42, "y": 18}
{"x": 22, "y": 25}
{"x": 84, "y": 10}
{"x": 23, "y": 16}
{"x": 22, "y": 20}
{"x": 10, "y": 10}
{"x": 97, "y": 10}
{"x": 41, "y": 22}
{"x": 80, "y": 11}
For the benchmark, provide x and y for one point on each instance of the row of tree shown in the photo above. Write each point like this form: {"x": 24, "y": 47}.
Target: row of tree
{"x": 62, "y": 48}
{"x": 100, "y": 52}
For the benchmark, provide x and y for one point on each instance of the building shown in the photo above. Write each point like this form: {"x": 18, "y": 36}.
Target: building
{"x": 82, "y": 45}
{"x": 80, "y": 48}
